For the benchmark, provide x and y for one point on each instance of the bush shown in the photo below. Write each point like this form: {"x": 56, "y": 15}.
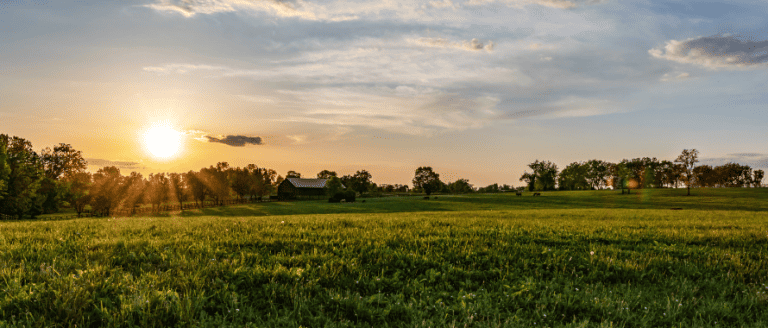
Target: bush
{"x": 349, "y": 195}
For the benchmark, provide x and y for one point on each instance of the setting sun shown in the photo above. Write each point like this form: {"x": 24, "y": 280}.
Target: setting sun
{"x": 162, "y": 141}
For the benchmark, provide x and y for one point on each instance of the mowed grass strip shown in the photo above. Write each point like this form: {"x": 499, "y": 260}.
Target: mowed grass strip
{"x": 484, "y": 267}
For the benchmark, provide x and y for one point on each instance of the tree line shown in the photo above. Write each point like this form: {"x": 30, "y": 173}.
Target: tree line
{"x": 638, "y": 173}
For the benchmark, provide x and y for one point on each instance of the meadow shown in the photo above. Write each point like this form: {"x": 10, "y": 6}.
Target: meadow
{"x": 655, "y": 258}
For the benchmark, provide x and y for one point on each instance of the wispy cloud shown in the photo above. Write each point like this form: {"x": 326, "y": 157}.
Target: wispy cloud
{"x": 720, "y": 51}
{"x": 754, "y": 160}
{"x": 675, "y": 76}
{"x": 472, "y": 45}
{"x": 234, "y": 140}
{"x": 129, "y": 165}
{"x": 561, "y": 4}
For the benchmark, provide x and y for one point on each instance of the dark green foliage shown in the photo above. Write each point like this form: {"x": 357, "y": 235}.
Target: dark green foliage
{"x": 427, "y": 180}
{"x": 22, "y": 174}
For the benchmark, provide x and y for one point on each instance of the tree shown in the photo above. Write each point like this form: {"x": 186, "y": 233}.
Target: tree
{"x": 688, "y": 158}
{"x": 292, "y": 174}
{"x": 543, "y": 177}
{"x": 269, "y": 181}
{"x": 426, "y": 180}
{"x": 196, "y": 186}
{"x": 216, "y": 181}
{"x": 461, "y": 186}
{"x": 5, "y": 170}
{"x": 757, "y": 178}
{"x": 23, "y": 174}
{"x": 62, "y": 160}
{"x": 622, "y": 176}
{"x": 529, "y": 179}
{"x": 574, "y": 177}
{"x": 106, "y": 190}
{"x": 77, "y": 192}
{"x": 158, "y": 190}
{"x": 333, "y": 186}
{"x": 598, "y": 172}
{"x": 242, "y": 181}
{"x": 361, "y": 181}
{"x": 325, "y": 174}
{"x": 178, "y": 188}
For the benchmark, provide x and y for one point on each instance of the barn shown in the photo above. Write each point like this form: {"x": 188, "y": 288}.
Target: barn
{"x": 298, "y": 188}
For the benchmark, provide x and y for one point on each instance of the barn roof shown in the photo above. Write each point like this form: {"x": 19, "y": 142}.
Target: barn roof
{"x": 307, "y": 183}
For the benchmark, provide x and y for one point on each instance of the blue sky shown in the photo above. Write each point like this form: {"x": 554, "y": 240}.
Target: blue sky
{"x": 476, "y": 89}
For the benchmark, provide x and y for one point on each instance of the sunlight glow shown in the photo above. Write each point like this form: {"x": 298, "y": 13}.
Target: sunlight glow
{"x": 162, "y": 141}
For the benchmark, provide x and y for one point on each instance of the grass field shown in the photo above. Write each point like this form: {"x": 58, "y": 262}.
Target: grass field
{"x": 566, "y": 259}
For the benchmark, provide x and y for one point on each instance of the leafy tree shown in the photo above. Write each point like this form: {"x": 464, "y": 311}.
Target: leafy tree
{"x": 106, "y": 190}
{"x": 62, "y": 160}
{"x": 22, "y": 173}
{"x": 757, "y": 178}
{"x": 529, "y": 179}
{"x": 688, "y": 158}
{"x": 574, "y": 177}
{"x": 216, "y": 181}
{"x": 269, "y": 182}
{"x": 242, "y": 181}
{"x": 158, "y": 189}
{"x": 598, "y": 172}
{"x": 622, "y": 176}
{"x": 333, "y": 186}
{"x": 461, "y": 186}
{"x": 361, "y": 181}
{"x": 543, "y": 177}
{"x": 704, "y": 176}
{"x": 494, "y": 188}
{"x": 325, "y": 174}
{"x": 426, "y": 180}
{"x": 5, "y": 170}
{"x": 78, "y": 187}
{"x": 178, "y": 188}
{"x": 196, "y": 186}
{"x": 133, "y": 191}
{"x": 293, "y": 174}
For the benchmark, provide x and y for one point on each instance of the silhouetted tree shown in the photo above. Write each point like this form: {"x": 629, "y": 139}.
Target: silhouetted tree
{"x": 106, "y": 190}
{"x": 325, "y": 174}
{"x": 158, "y": 190}
{"x": 361, "y": 181}
{"x": 178, "y": 188}
{"x": 426, "y": 180}
{"x": 196, "y": 186}
{"x": 293, "y": 174}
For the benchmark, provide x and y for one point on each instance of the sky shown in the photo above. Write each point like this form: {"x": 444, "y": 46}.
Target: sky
{"x": 476, "y": 89}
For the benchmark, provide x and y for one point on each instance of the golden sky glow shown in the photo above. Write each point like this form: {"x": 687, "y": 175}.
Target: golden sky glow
{"x": 474, "y": 89}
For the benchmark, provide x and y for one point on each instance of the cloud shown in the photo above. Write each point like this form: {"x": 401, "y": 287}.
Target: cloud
{"x": 472, "y": 45}
{"x": 97, "y": 162}
{"x": 190, "y": 8}
{"x": 393, "y": 64}
{"x": 567, "y": 107}
{"x": 560, "y": 4}
{"x": 402, "y": 109}
{"x": 754, "y": 160}
{"x": 675, "y": 76}
{"x": 720, "y": 51}
{"x": 235, "y": 141}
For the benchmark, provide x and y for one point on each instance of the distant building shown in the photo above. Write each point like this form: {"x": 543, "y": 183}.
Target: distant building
{"x": 298, "y": 188}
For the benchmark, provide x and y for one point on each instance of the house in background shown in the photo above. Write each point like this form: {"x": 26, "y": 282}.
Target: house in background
{"x": 299, "y": 188}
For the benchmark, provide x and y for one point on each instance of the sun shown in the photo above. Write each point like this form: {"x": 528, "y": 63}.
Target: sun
{"x": 162, "y": 141}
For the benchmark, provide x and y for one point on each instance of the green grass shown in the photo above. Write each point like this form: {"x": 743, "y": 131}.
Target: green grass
{"x": 475, "y": 261}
